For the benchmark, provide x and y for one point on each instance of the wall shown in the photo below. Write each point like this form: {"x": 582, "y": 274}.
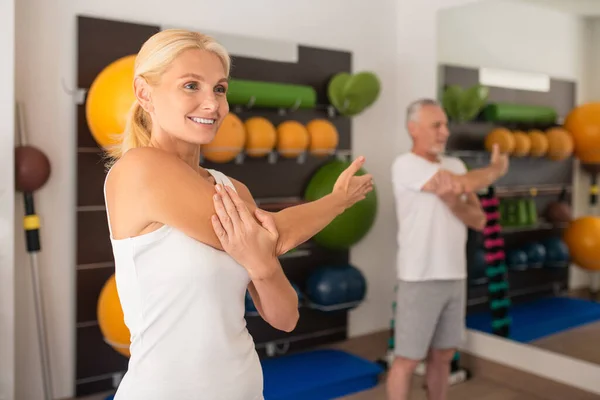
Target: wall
{"x": 7, "y": 264}
{"x": 479, "y": 36}
{"x": 46, "y": 44}
{"x": 593, "y": 60}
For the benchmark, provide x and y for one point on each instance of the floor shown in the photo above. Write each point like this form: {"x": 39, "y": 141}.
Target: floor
{"x": 374, "y": 347}
{"x": 575, "y": 342}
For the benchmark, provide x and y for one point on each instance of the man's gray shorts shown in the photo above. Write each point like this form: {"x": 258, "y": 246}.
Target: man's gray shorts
{"x": 429, "y": 314}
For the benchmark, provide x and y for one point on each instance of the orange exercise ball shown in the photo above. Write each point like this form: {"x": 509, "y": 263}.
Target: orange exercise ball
{"x": 503, "y": 138}
{"x": 539, "y": 143}
{"x": 560, "y": 144}
{"x": 582, "y": 237}
{"x": 111, "y": 319}
{"x": 261, "y": 136}
{"x": 228, "y": 142}
{"x": 583, "y": 122}
{"x": 522, "y": 144}
{"x": 292, "y": 139}
{"x": 324, "y": 137}
{"x": 109, "y": 100}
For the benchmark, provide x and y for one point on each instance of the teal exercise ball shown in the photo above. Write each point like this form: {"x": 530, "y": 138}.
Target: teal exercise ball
{"x": 353, "y": 224}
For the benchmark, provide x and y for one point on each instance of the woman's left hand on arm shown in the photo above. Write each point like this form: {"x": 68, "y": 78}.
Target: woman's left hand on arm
{"x": 253, "y": 244}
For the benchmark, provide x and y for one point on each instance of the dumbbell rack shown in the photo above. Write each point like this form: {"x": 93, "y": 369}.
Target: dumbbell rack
{"x": 496, "y": 271}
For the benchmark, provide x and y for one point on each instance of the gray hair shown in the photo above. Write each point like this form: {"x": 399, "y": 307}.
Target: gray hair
{"x": 412, "y": 111}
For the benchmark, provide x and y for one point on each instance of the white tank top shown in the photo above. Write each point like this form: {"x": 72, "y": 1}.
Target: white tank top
{"x": 183, "y": 303}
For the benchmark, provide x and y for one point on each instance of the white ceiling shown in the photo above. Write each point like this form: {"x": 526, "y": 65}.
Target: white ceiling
{"x": 585, "y": 8}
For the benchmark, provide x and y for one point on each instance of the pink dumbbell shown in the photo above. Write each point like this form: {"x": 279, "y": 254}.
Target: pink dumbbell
{"x": 489, "y": 202}
{"x": 493, "y": 243}
{"x": 491, "y": 257}
{"x": 493, "y": 215}
{"x": 488, "y": 230}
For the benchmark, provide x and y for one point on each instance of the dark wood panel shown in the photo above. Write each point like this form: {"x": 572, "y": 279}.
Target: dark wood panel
{"x": 306, "y": 344}
{"x": 101, "y": 41}
{"x": 89, "y": 285}
{"x": 94, "y": 356}
{"x": 88, "y": 388}
{"x": 93, "y": 238}
{"x": 90, "y": 179}
{"x": 310, "y": 321}
{"x": 84, "y": 135}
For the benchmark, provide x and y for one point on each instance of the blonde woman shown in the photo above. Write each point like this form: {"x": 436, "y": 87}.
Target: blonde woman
{"x": 188, "y": 242}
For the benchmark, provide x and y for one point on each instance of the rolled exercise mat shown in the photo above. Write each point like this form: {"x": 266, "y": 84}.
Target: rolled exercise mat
{"x": 270, "y": 94}
{"x": 506, "y": 112}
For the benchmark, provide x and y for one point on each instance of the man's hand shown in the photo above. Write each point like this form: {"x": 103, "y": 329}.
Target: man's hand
{"x": 499, "y": 161}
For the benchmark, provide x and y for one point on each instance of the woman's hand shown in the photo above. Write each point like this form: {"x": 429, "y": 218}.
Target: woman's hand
{"x": 352, "y": 188}
{"x": 251, "y": 244}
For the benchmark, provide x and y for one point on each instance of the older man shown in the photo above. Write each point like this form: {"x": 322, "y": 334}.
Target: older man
{"x": 435, "y": 204}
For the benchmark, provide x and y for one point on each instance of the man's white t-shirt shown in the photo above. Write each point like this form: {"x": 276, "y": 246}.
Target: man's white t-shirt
{"x": 431, "y": 239}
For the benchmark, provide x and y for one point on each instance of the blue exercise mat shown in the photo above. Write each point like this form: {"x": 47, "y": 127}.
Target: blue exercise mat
{"x": 318, "y": 375}
{"x": 540, "y": 318}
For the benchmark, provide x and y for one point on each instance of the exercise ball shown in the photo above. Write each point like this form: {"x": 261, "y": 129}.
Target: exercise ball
{"x": 477, "y": 267}
{"x": 522, "y": 144}
{"x": 109, "y": 100}
{"x": 559, "y": 211}
{"x": 292, "y": 139}
{"x": 261, "y": 136}
{"x": 560, "y": 144}
{"x": 503, "y": 138}
{"x": 516, "y": 259}
{"x": 583, "y": 123}
{"x": 324, "y": 137}
{"x": 32, "y": 168}
{"x": 326, "y": 287}
{"x": 557, "y": 253}
{"x": 111, "y": 319}
{"x": 536, "y": 254}
{"x": 356, "y": 284}
{"x": 539, "y": 143}
{"x": 228, "y": 142}
{"x": 582, "y": 238}
{"x": 353, "y": 224}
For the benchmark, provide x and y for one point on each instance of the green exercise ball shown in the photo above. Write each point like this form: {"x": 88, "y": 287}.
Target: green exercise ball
{"x": 353, "y": 224}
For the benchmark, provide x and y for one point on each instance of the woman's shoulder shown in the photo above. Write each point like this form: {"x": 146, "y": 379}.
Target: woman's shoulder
{"x": 143, "y": 164}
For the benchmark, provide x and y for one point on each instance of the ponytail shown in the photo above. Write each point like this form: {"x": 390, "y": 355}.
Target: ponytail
{"x": 136, "y": 134}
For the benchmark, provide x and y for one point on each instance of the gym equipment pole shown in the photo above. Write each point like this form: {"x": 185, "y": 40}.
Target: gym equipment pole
{"x": 31, "y": 224}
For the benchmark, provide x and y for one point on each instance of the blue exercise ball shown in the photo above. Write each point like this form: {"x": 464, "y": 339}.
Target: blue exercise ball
{"x": 356, "y": 284}
{"x": 326, "y": 286}
{"x": 557, "y": 253}
{"x": 516, "y": 260}
{"x": 536, "y": 254}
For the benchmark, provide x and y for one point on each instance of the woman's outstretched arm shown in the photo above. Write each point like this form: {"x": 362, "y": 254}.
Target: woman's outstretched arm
{"x": 297, "y": 224}
{"x": 162, "y": 188}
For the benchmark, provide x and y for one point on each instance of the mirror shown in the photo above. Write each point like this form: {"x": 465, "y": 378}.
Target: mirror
{"x": 511, "y": 72}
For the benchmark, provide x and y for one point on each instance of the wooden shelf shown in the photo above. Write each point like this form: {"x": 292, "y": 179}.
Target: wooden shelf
{"x": 542, "y": 225}
{"x": 532, "y": 190}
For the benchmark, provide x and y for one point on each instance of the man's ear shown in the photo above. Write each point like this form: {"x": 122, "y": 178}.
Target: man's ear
{"x": 412, "y": 126}
{"x": 143, "y": 93}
